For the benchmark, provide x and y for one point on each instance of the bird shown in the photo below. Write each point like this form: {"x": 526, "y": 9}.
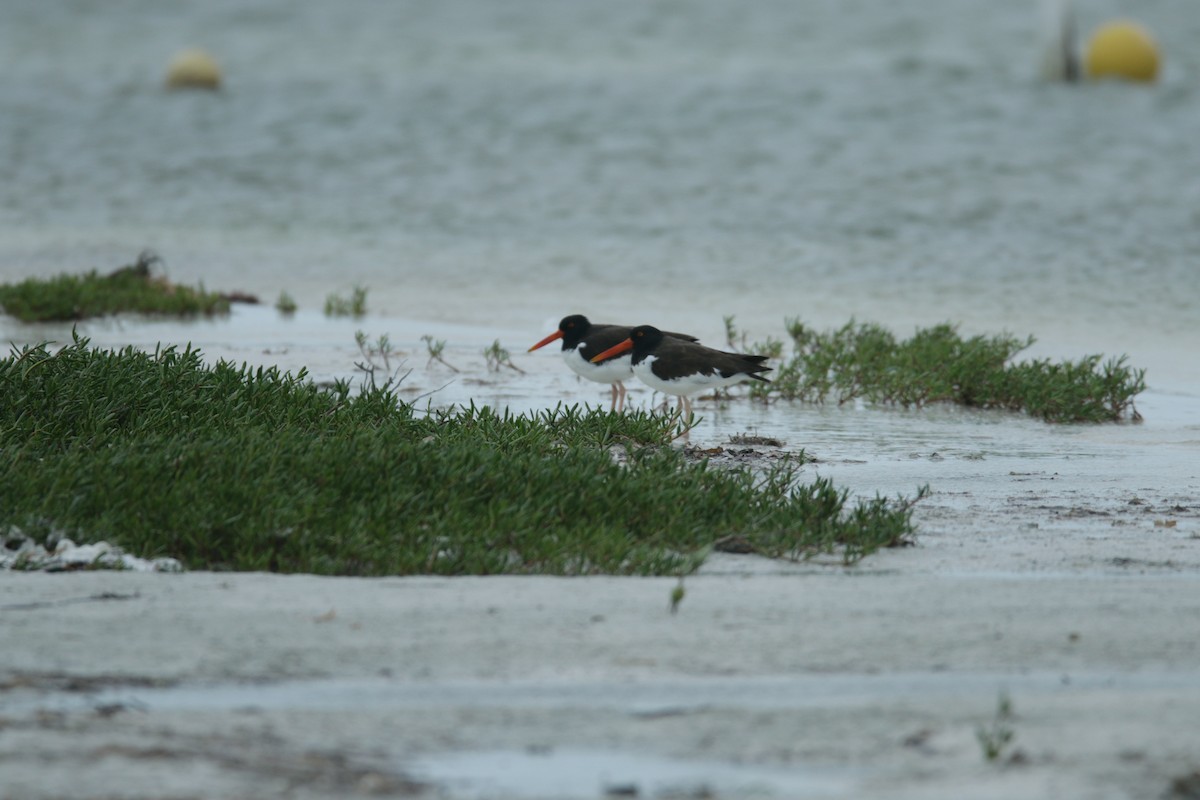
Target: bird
{"x": 683, "y": 368}
{"x": 583, "y": 339}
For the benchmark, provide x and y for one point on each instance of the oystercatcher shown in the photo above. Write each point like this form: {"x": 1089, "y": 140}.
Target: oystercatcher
{"x": 684, "y": 368}
{"x": 582, "y": 339}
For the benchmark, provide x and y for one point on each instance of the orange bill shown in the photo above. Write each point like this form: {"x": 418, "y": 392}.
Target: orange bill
{"x": 615, "y": 350}
{"x": 551, "y": 338}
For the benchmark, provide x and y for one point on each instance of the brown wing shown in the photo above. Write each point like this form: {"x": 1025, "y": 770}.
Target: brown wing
{"x": 678, "y": 357}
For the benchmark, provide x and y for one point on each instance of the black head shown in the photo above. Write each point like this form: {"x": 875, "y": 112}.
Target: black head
{"x": 645, "y": 338}
{"x": 573, "y": 329}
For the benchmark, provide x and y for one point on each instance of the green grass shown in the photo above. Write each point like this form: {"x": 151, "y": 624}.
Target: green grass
{"x": 996, "y": 737}
{"x": 497, "y": 357}
{"x": 936, "y": 365}
{"x": 436, "y": 347}
{"x": 285, "y": 304}
{"x": 353, "y": 306}
{"x": 130, "y": 289}
{"x": 227, "y": 467}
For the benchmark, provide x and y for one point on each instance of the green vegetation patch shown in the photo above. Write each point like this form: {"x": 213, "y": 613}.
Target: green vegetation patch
{"x": 129, "y": 289}
{"x": 253, "y": 469}
{"x": 354, "y": 305}
{"x": 861, "y": 360}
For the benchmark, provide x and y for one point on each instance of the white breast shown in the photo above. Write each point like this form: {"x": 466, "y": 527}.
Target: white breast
{"x": 616, "y": 369}
{"x": 685, "y": 385}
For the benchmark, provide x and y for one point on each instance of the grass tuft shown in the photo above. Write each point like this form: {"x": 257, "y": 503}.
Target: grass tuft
{"x": 861, "y": 360}
{"x": 132, "y": 288}
{"x": 229, "y": 467}
{"x": 286, "y": 304}
{"x": 436, "y": 347}
{"x": 353, "y": 306}
{"x": 996, "y": 737}
{"x": 377, "y": 356}
{"x": 497, "y": 357}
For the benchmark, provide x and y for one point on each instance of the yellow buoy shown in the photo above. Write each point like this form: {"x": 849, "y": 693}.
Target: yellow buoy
{"x": 1122, "y": 49}
{"x": 193, "y": 69}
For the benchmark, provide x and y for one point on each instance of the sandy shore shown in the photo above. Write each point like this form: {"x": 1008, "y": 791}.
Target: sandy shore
{"x": 771, "y": 680}
{"x": 1058, "y": 566}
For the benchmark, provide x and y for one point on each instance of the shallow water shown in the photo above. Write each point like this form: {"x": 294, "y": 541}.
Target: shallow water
{"x": 502, "y": 166}
{"x": 646, "y": 699}
{"x": 592, "y": 774}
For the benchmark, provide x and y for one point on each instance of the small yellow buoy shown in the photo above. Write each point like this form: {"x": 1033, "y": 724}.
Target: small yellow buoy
{"x": 193, "y": 69}
{"x": 1122, "y": 49}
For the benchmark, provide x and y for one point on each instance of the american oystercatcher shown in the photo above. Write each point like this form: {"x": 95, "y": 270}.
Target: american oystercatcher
{"x": 582, "y": 339}
{"x": 684, "y": 368}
